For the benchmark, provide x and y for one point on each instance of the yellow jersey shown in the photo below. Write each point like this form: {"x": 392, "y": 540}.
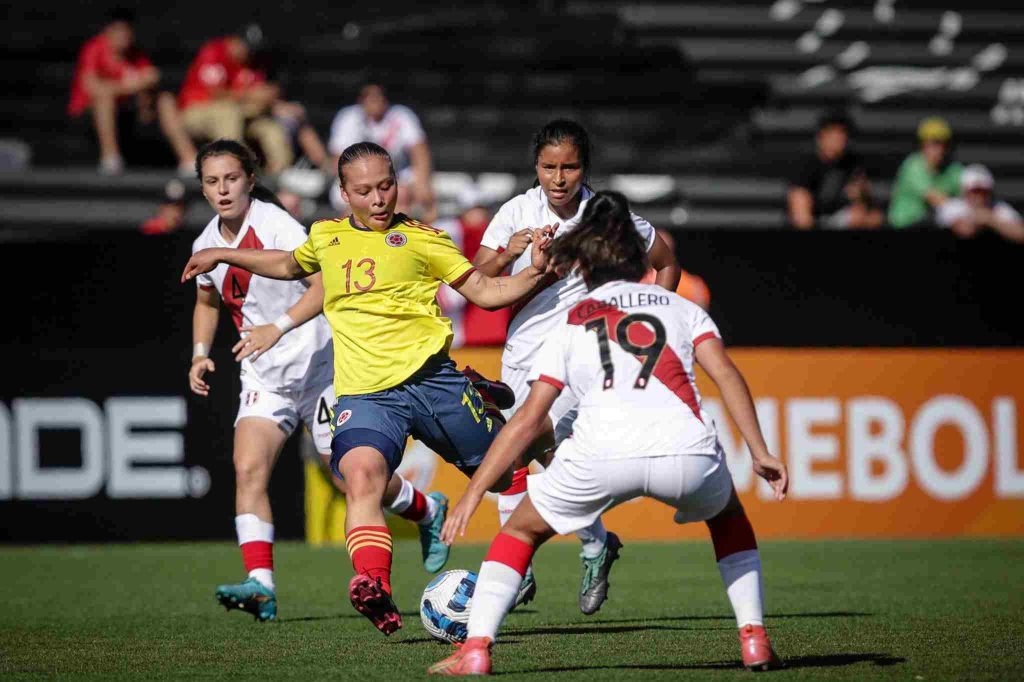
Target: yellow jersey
{"x": 380, "y": 291}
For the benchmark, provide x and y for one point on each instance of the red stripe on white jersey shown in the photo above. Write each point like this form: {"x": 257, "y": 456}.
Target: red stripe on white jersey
{"x": 236, "y": 280}
{"x": 669, "y": 368}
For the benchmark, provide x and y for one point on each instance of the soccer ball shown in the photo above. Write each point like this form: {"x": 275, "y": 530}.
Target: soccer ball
{"x": 444, "y": 607}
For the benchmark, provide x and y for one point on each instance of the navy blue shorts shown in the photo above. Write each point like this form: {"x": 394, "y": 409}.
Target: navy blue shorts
{"x": 437, "y": 406}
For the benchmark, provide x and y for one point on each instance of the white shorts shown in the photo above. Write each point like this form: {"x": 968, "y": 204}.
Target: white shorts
{"x": 286, "y": 408}
{"x": 562, "y": 413}
{"x": 572, "y": 494}
{"x": 323, "y": 423}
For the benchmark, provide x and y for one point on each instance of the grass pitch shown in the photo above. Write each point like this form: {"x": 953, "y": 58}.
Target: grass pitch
{"x": 852, "y": 610}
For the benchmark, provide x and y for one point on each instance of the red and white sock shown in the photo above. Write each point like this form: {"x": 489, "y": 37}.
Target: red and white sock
{"x": 740, "y": 565}
{"x": 413, "y": 505}
{"x": 510, "y": 499}
{"x": 497, "y": 584}
{"x": 256, "y": 538}
{"x": 370, "y": 549}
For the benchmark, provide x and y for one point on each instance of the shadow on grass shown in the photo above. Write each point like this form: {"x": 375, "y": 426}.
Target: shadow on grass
{"x": 730, "y": 617}
{"x": 339, "y": 616}
{"x": 822, "y": 661}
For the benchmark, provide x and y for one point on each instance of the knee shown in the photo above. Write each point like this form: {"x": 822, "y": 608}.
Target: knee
{"x": 250, "y": 472}
{"x": 362, "y": 482}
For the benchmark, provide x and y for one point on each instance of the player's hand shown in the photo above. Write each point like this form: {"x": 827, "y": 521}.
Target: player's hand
{"x": 518, "y": 244}
{"x": 200, "y": 366}
{"x": 200, "y": 262}
{"x": 459, "y": 516}
{"x": 774, "y": 471}
{"x": 542, "y": 238}
{"x": 256, "y": 340}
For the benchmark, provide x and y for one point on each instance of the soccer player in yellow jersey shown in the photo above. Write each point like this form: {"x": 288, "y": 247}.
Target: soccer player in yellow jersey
{"x": 392, "y": 373}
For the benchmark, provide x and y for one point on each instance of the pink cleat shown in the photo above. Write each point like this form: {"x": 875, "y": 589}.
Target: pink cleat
{"x": 756, "y": 649}
{"x": 472, "y": 658}
{"x": 370, "y": 599}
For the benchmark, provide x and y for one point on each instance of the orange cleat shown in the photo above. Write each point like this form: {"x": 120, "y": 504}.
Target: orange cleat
{"x": 756, "y": 649}
{"x": 370, "y": 599}
{"x": 472, "y": 658}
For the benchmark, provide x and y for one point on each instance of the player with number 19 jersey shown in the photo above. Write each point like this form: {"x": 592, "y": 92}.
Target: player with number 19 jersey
{"x": 627, "y": 357}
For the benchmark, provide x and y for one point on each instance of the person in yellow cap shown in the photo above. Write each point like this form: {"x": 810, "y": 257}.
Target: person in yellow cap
{"x": 926, "y": 179}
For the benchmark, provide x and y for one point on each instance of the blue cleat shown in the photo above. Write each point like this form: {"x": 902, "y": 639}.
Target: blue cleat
{"x": 527, "y": 590}
{"x": 435, "y": 552}
{"x": 250, "y": 596}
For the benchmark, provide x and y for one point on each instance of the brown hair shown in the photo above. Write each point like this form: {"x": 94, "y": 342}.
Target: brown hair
{"x": 606, "y": 246}
{"x": 246, "y": 157}
{"x": 363, "y": 150}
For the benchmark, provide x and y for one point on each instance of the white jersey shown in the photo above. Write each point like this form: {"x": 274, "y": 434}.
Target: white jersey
{"x": 534, "y": 319}
{"x": 304, "y": 355}
{"x": 626, "y": 354}
{"x": 399, "y": 130}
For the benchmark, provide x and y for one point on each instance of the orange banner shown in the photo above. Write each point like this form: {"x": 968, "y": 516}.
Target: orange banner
{"x": 879, "y": 443}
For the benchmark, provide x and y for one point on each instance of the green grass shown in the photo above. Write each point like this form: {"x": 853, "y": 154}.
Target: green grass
{"x": 853, "y": 610}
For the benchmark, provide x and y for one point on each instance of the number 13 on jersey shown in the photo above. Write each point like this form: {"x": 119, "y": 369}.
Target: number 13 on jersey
{"x": 365, "y": 275}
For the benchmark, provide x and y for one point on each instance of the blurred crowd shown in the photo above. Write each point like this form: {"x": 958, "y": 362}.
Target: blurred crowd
{"x": 229, "y": 92}
{"x": 832, "y": 188}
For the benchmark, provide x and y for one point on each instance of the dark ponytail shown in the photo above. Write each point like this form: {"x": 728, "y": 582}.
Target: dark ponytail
{"x": 363, "y": 150}
{"x": 250, "y": 166}
{"x": 605, "y": 246}
{"x": 560, "y": 131}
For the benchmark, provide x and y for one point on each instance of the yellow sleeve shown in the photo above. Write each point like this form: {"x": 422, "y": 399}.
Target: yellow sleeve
{"x": 306, "y": 257}
{"x": 446, "y": 262}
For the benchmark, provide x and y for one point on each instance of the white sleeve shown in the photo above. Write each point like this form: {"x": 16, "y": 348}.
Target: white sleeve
{"x": 950, "y": 212}
{"x": 645, "y": 229}
{"x": 203, "y": 281}
{"x": 501, "y": 229}
{"x": 288, "y": 232}
{"x": 343, "y": 131}
{"x": 702, "y": 327}
{"x": 550, "y": 365}
{"x": 412, "y": 131}
{"x": 1004, "y": 211}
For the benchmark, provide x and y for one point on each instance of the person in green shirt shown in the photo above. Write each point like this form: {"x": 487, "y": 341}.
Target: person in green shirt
{"x": 926, "y": 179}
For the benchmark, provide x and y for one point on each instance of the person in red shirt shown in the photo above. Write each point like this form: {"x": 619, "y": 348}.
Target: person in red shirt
{"x": 226, "y": 96}
{"x": 110, "y": 71}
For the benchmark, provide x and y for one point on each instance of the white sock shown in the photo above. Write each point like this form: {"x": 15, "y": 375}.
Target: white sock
{"x": 593, "y": 538}
{"x": 250, "y": 528}
{"x": 403, "y": 500}
{"x": 507, "y": 504}
{"x": 496, "y": 589}
{"x": 741, "y": 574}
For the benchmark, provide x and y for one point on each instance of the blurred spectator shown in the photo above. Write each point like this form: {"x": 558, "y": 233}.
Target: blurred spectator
{"x": 691, "y": 287}
{"x": 116, "y": 82}
{"x": 226, "y": 95}
{"x": 397, "y": 129}
{"x": 473, "y": 326}
{"x": 926, "y": 179}
{"x": 831, "y": 187}
{"x": 977, "y": 208}
{"x": 171, "y": 213}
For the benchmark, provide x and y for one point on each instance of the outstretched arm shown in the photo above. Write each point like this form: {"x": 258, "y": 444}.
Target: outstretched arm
{"x": 267, "y": 263}
{"x": 491, "y": 293}
{"x": 664, "y": 263}
{"x": 261, "y": 338}
{"x": 712, "y": 357}
{"x": 524, "y": 427}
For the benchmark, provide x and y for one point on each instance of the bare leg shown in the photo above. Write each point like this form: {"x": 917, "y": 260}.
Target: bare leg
{"x": 174, "y": 129}
{"x": 104, "y": 118}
